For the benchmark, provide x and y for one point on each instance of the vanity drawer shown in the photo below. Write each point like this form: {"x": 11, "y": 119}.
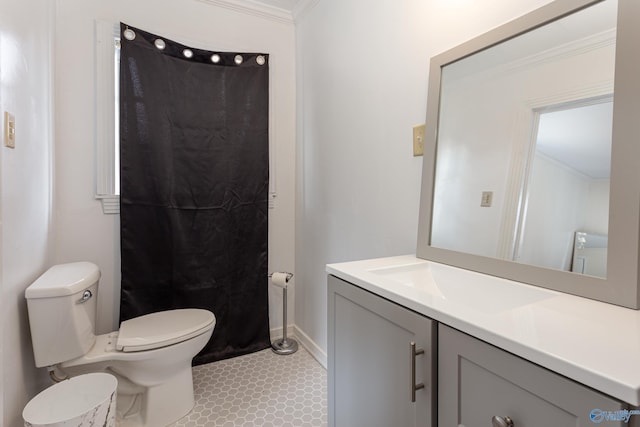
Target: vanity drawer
{"x": 477, "y": 381}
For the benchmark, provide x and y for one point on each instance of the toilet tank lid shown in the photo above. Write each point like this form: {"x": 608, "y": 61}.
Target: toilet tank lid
{"x": 63, "y": 280}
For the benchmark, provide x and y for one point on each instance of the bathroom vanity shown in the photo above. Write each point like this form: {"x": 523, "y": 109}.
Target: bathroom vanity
{"x": 492, "y": 348}
{"x": 510, "y": 314}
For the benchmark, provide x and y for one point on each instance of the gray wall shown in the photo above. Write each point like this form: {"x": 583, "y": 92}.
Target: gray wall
{"x": 362, "y": 84}
{"x": 26, "y": 90}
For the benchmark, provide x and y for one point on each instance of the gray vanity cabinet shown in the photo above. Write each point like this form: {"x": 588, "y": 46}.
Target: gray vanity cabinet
{"x": 370, "y": 360}
{"x": 477, "y": 382}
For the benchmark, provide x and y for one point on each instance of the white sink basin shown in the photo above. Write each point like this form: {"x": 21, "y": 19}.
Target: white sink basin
{"x": 452, "y": 285}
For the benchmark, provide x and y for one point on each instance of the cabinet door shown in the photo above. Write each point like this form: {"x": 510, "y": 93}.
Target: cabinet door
{"x": 370, "y": 358}
{"x": 477, "y": 381}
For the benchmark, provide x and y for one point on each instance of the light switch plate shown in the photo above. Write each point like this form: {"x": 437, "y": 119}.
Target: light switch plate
{"x": 9, "y": 130}
{"x": 487, "y": 199}
{"x": 418, "y": 140}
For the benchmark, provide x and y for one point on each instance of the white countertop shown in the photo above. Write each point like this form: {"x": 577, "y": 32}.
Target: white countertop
{"x": 594, "y": 343}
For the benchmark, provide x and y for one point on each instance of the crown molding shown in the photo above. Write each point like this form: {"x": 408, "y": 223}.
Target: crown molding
{"x": 567, "y": 50}
{"x": 266, "y": 11}
{"x": 302, "y": 7}
{"x": 254, "y": 8}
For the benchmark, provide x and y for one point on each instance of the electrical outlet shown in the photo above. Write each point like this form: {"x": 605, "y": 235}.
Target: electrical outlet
{"x": 487, "y": 199}
{"x": 9, "y": 130}
{"x": 418, "y": 140}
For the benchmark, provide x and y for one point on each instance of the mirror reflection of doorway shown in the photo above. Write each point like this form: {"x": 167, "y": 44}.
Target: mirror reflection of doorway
{"x": 567, "y": 182}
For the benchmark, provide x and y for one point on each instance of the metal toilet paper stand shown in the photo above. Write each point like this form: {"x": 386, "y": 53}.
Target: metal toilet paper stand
{"x": 284, "y": 345}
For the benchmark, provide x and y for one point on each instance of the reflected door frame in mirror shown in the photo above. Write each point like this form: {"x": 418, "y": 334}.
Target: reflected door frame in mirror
{"x": 621, "y": 286}
{"x": 517, "y": 203}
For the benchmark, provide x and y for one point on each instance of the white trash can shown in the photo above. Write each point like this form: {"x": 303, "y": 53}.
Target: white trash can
{"x": 85, "y": 400}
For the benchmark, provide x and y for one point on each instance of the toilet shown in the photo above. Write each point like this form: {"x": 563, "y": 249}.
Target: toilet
{"x": 150, "y": 355}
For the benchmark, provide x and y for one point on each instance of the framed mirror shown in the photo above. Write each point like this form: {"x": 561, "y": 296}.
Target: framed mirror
{"x": 532, "y": 152}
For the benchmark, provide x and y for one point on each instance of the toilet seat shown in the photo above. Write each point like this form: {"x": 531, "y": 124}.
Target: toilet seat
{"x": 163, "y": 328}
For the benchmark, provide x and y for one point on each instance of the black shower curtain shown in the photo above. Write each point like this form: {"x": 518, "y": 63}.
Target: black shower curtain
{"x": 194, "y": 187}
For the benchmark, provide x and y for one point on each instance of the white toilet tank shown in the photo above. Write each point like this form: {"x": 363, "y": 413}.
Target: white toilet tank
{"x": 62, "y": 312}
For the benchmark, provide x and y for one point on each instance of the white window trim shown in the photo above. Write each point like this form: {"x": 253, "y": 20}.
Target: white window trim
{"x": 106, "y": 36}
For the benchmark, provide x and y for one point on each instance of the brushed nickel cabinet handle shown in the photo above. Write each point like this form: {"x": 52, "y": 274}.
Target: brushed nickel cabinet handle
{"x": 501, "y": 421}
{"x": 414, "y": 352}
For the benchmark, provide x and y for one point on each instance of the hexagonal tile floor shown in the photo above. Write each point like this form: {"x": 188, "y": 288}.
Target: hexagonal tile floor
{"x": 260, "y": 389}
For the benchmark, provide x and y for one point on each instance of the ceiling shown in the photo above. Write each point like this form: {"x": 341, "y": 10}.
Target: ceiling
{"x": 580, "y": 138}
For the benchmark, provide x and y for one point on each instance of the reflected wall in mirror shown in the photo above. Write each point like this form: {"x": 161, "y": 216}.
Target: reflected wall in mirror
{"x": 515, "y": 118}
{"x": 499, "y": 127}
{"x": 567, "y": 184}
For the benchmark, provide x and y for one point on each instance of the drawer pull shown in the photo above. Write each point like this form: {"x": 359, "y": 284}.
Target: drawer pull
{"x": 414, "y": 352}
{"x": 501, "y": 422}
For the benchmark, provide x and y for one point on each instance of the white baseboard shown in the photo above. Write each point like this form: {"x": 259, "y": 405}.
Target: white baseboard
{"x": 304, "y": 340}
{"x": 316, "y": 351}
{"x": 276, "y": 333}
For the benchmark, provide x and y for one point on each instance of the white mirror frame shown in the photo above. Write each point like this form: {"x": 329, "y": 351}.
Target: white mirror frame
{"x": 621, "y": 286}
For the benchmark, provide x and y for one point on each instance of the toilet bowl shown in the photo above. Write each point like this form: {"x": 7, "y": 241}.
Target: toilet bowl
{"x": 149, "y": 355}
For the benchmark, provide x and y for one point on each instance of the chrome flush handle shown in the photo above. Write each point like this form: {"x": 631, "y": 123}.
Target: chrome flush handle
{"x": 86, "y": 296}
{"x": 501, "y": 421}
